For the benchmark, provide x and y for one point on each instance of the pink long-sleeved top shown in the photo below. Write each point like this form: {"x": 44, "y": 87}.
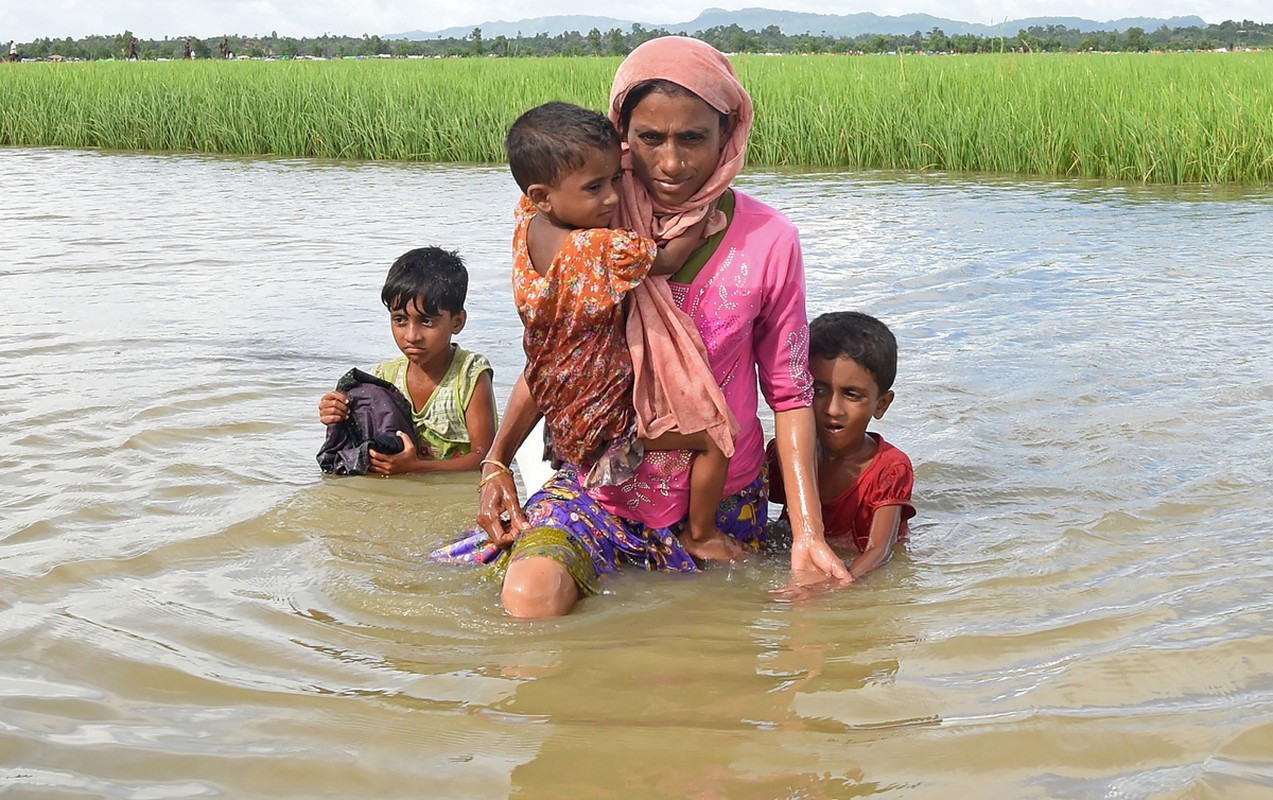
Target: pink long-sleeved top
{"x": 748, "y": 303}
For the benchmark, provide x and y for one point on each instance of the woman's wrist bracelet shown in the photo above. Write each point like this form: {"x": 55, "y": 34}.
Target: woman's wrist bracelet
{"x": 500, "y": 469}
{"x": 499, "y": 465}
{"x": 492, "y": 476}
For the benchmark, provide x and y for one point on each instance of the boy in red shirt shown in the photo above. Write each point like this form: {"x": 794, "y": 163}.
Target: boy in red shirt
{"x": 863, "y": 481}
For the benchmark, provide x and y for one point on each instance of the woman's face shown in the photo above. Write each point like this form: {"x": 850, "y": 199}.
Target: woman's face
{"x": 675, "y": 142}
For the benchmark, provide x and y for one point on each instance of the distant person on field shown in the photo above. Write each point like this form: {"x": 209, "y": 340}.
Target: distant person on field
{"x": 449, "y": 388}
{"x": 132, "y": 49}
{"x": 185, "y": 51}
{"x": 864, "y": 483}
{"x": 224, "y": 48}
{"x": 13, "y": 51}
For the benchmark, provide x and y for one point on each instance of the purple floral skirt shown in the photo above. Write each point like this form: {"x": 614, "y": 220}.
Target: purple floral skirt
{"x": 568, "y": 526}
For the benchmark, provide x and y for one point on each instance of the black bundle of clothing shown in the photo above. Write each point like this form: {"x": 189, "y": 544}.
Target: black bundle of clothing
{"x": 377, "y": 411}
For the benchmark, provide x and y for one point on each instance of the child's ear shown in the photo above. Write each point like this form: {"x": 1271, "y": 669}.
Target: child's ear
{"x": 457, "y": 322}
{"x": 883, "y": 403}
{"x": 537, "y": 194}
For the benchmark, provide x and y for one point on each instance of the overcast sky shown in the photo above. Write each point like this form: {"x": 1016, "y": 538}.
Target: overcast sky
{"x": 25, "y": 20}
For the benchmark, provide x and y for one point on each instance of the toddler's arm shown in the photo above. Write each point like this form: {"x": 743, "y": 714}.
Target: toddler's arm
{"x": 673, "y": 255}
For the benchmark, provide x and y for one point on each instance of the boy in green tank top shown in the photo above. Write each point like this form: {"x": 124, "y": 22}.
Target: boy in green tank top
{"x": 449, "y": 389}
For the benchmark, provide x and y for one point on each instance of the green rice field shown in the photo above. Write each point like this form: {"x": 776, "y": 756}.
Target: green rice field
{"x": 1155, "y": 118}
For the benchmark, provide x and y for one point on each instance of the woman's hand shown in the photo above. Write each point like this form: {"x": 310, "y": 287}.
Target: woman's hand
{"x": 499, "y": 511}
{"x": 814, "y": 562}
{"x": 398, "y": 463}
{"x": 816, "y": 570}
{"x": 807, "y": 586}
{"x": 333, "y": 408}
{"x": 812, "y": 559}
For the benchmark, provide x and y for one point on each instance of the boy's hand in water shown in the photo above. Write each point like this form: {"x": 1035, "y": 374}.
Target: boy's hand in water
{"x": 387, "y": 464}
{"x": 333, "y": 408}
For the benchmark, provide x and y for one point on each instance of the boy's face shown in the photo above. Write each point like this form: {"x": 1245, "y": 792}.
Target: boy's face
{"x": 845, "y": 398}
{"x": 585, "y": 197}
{"x": 425, "y": 340}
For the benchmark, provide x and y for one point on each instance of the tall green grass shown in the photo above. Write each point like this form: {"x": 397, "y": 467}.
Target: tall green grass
{"x": 1164, "y": 118}
{"x": 1181, "y": 118}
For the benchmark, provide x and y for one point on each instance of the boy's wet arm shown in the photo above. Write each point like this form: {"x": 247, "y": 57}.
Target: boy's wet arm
{"x": 885, "y": 524}
{"x": 479, "y": 419}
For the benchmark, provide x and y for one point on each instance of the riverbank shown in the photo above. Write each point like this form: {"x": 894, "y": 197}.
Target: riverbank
{"x": 1153, "y": 118}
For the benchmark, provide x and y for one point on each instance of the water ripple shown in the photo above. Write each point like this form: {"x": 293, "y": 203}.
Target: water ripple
{"x": 189, "y": 609}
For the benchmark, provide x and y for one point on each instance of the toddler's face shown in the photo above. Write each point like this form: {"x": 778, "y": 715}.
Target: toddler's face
{"x": 845, "y": 398}
{"x": 588, "y": 196}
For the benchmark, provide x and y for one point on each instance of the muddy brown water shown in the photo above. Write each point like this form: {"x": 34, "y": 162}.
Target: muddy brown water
{"x": 188, "y": 609}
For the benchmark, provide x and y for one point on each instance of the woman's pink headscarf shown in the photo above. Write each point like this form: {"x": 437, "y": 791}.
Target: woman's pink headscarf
{"x": 705, "y": 71}
{"x": 673, "y": 386}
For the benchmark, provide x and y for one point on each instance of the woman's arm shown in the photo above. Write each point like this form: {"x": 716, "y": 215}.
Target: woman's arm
{"x": 497, "y": 494}
{"x": 812, "y": 559}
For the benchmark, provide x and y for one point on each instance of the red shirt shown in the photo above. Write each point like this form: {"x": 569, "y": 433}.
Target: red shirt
{"x": 886, "y": 481}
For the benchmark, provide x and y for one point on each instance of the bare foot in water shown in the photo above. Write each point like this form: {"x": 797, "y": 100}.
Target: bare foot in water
{"x": 716, "y": 547}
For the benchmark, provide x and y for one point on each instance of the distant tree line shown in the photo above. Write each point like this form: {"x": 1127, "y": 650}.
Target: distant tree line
{"x": 616, "y": 42}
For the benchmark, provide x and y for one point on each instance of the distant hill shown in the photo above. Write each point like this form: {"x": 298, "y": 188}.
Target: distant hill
{"x": 526, "y": 27}
{"x": 794, "y": 22}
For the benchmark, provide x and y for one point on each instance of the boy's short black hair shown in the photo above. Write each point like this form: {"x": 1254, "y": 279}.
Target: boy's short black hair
{"x": 860, "y": 337}
{"x": 549, "y": 141}
{"x": 434, "y": 278}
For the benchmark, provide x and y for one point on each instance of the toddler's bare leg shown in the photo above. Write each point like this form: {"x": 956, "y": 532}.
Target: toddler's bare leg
{"x": 703, "y": 539}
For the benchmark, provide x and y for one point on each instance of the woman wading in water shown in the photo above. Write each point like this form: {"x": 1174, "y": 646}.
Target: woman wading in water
{"x": 684, "y": 119}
